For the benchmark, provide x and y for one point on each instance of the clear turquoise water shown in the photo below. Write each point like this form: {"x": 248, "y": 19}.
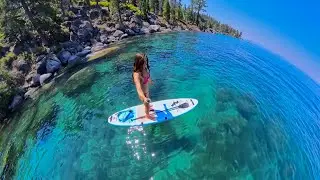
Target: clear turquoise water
{"x": 257, "y": 118}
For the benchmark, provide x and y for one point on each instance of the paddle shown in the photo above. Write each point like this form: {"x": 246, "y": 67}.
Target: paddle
{"x": 184, "y": 105}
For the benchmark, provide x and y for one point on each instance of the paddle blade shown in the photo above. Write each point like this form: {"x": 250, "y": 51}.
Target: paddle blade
{"x": 184, "y": 105}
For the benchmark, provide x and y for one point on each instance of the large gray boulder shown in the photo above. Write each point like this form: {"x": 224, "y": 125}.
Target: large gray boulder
{"x": 134, "y": 27}
{"x": 145, "y": 31}
{"x": 145, "y": 24}
{"x": 35, "y": 80}
{"x": 16, "y": 102}
{"x": 45, "y": 78}
{"x": 130, "y": 32}
{"x": 118, "y": 34}
{"x": 86, "y": 25}
{"x": 84, "y": 35}
{"x": 136, "y": 19}
{"x": 53, "y": 64}
{"x": 98, "y": 46}
{"x": 124, "y": 36}
{"x": 83, "y": 53}
{"x": 94, "y": 14}
{"x": 110, "y": 30}
{"x": 104, "y": 38}
{"x": 41, "y": 67}
{"x": 74, "y": 60}
{"x": 64, "y": 56}
{"x": 112, "y": 39}
{"x": 40, "y": 58}
{"x": 120, "y": 27}
{"x": 75, "y": 25}
{"x": 154, "y": 28}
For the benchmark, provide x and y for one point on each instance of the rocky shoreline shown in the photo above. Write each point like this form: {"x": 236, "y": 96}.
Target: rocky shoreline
{"x": 91, "y": 32}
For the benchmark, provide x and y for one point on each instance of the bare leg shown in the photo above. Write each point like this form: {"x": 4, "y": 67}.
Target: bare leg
{"x": 147, "y": 111}
{"x": 150, "y": 105}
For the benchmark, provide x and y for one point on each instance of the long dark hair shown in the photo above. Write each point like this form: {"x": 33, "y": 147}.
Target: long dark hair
{"x": 139, "y": 61}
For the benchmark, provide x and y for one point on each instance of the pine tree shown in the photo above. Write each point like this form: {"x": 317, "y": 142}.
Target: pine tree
{"x": 180, "y": 11}
{"x": 166, "y": 10}
{"x": 154, "y": 6}
{"x": 199, "y": 6}
{"x": 115, "y": 8}
{"x": 145, "y": 7}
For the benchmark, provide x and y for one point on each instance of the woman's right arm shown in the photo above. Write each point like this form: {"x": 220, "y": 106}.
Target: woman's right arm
{"x": 138, "y": 85}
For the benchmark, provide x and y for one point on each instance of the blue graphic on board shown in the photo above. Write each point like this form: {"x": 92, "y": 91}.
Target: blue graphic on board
{"x": 125, "y": 115}
{"x": 163, "y": 115}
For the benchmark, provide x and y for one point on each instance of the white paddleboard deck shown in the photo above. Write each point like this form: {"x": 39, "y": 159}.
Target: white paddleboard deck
{"x": 164, "y": 110}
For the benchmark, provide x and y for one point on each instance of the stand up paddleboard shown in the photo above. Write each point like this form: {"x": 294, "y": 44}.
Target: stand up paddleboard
{"x": 164, "y": 110}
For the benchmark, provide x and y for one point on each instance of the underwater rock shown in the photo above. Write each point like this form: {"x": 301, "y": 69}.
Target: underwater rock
{"x": 79, "y": 81}
{"x": 246, "y": 106}
{"x": 103, "y": 53}
{"x": 220, "y": 107}
{"x": 224, "y": 95}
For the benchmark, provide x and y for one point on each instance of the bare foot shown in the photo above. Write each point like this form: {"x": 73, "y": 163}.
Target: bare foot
{"x": 151, "y": 117}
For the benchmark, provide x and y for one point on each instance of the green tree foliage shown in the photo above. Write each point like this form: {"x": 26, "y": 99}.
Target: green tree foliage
{"x": 115, "y": 9}
{"x": 180, "y": 11}
{"x": 145, "y": 7}
{"x": 154, "y": 6}
{"x": 209, "y": 22}
{"x": 166, "y": 10}
{"x": 190, "y": 15}
{"x": 199, "y": 7}
{"x": 25, "y": 20}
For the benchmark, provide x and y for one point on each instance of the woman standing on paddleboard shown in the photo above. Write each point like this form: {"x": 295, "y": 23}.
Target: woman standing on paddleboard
{"x": 141, "y": 77}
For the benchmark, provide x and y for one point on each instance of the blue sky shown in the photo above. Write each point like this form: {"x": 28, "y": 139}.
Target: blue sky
{"x": 290, "y": 29}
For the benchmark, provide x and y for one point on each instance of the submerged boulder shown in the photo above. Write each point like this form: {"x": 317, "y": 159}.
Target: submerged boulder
{"x": 79, "y": 81}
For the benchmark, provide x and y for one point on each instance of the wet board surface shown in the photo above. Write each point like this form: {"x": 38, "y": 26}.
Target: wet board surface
{"x": 163, "y": 111}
